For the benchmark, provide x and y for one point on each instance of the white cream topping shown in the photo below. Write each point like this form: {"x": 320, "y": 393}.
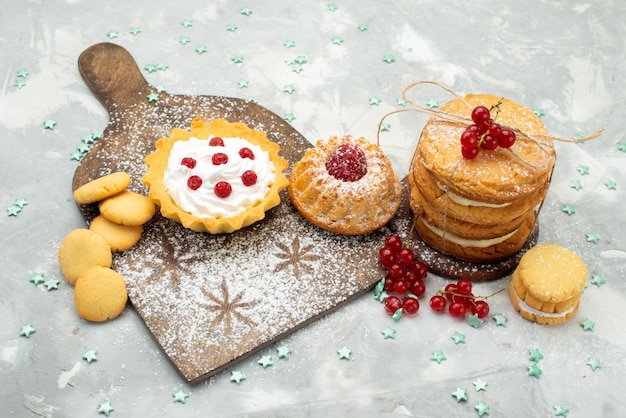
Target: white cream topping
{"x": 524, "y": 307}
{"x": 203, "y": 202}
{"x": 468, "y": 202}
{"x": 483, "y": 243}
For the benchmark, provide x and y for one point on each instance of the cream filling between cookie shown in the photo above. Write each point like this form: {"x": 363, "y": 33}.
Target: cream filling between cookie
{"x": 524, "y": 307}
{"x": 483, "y": 243}
{"x": 468, "y": 202}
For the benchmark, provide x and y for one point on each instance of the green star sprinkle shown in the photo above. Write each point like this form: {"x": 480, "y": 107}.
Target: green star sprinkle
{"x": 389, "y": 58}
{"x": 162, "y": 66}
{"x": 385, "y": 126}
{"x": 598, "y": 279}
{"x": 13, "y": 210}
{"x": 576, "y": 185}
{"x": 344, "y": 353}
{"x": 336, "y": 40}
{"x": 49, "y": 124}
{"x": 438, "y": 356}
{"x": 362, "y": 27}
{"x": 134, "y": 30}
{"x": 583, "y": 170}
{"x": 374, "y": 101}
{"x": 397, "y": 315}
{"x": 112, "y": 34}
{"x": 432, "y": 104}
{"x": 594, "y": 363}
{"x": 180, "y": 396}
{"x": 105, "y": 408}
{"x": 611, "y": 184}
{"x": 51, "y": 284}
{"x": 237, "y": 376}
{"x": 482, "y": 408}
{"x": 534, "y": 355}
{"x": 184, "y": 39}
{"x": 331, "y": 7}
{"x": 20, "y": 202}
{"x": 594, "y": 238}
{"x": 474, "y": 321}
{"x": 569, "y": 209}
{"x": 27, "y": 330}
{"x": 480, "y": 384}
{"x": 36, "y": 278}
{"x": 539, "y": 112}
{"x": 152, "y": 97}
{"x": 22, "y": 73}
{"x": 265, "y": 361}
{"x": 243, "y": 83}
{"x": 19, "y": 83}
{"x": 459, "y": 394}
{"x": 621, "y": 146}
{"x": 289, "y": 117}
{"x": 534, "y": 370}
{"x": 389, "y": 333}
{"x": 76, "y": 155}
{"x": 150, "y": 68}
{"x": 401, "y": 102}
{"x": 231, "y": 27}
{"x": 289, "y": 88}
{"x": 237, "y": 59}
{"x": 246, "y": 11}
{"x": 588, "y": 325}
{"x": 283, "y": 351}
{"x": 458, "y": 338}
{"x": 201, "y": 49}
{"x": 90, "y": 356}
{"x": 560, "y": 410}
{"x": 160, "y": 88}
{"x": 186, "y": 23}
{"x": 289, "y": 43}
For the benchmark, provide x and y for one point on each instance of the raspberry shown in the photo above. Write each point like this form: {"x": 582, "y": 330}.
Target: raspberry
{"x": 188, "y": 162}
{"x": 246, "y": 153}
{"x": 194, "y": 182}
{"x": 223, "y": 189}
{"x": 216, "y": 141}
{"x": 347, "y": 162}
{"x": 249, "y": 178}
{"x": 219, "y": 158}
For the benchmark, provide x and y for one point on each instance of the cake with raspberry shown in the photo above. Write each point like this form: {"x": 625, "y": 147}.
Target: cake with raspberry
{"x": 218, "y": 177}
{"x": 345, "y": 185}
{"x": 476, "y": 186}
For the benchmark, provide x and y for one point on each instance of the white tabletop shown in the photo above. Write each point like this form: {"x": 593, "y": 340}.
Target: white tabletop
{"x": 329, "y": 69}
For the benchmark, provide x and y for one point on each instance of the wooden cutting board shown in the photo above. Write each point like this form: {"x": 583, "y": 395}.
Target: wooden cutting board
{"x": 213, "y": 300}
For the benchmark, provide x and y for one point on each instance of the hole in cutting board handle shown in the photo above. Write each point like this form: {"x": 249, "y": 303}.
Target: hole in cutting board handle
{"x": 112, "y": 75}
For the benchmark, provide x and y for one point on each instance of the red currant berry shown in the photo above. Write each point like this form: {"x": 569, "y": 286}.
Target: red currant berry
{"x": 393, "y": 242}
{"x": 480, "y": 308}
{"x": 418, "y": 288}
{"x": 481, "y": 116}
{"x": 507, "y": 138}
{"x": 188, "y": 162}
{"x": 401, "y": 287}
{"x": 470, "y": 153}
{"x": 219, "y": 158}
{"x": 410, "y": 305}
{"x": 457, "y": 309}
{"x": 463, "y": 287}
{"x": 449, "y": 290}
{"x": 396, "y": 271}
{"x": 249, "y": 178}
{"x": 495, "y": 129}
{"x": 406, "y": 257}
{"x": 489, "y": 142}
{"x": 438, "y": 303}
{"x": 392, "y": 304}
{"x": 389, "y": 285}
{"x": 347, "y": 162}
{"x": 194, "y": 182}
{"x": 421, "y": 268}
{"x": 386, "y": 257}
{"x": 216, "y": 141}
{"x": 410, "y": 276}
{"x": 223, "y": 189}
{"x": 246, "y": 153}
{"x": 469, "y": 139}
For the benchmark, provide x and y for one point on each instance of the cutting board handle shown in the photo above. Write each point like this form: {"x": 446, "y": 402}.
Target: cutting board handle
{"x": 113, "y": 76}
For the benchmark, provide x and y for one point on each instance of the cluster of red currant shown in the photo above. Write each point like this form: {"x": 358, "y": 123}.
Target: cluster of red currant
{"x": 461, "y": 299}
{"x": 485, "y": 134}
{"x": 404, "y": 281}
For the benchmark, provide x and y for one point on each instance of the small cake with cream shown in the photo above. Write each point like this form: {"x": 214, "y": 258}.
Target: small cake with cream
{"x": 483, "y": 207}
{"x": 219, "y": 177}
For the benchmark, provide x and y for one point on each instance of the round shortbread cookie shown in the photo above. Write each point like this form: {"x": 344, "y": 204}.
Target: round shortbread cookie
{"x": 80, "y": 250}
{"x": 102, "y": 187}
{"x": 100, "y": 294}
{"x": 128, "y": 208}
{"x": 119, "y": 237}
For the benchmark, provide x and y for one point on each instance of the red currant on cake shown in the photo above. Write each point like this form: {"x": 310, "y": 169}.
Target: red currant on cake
{"x": 347, "y": 162}
{"x": 246, "y": 152}
{"x": 194, "y": 182}
{"x": 188, "y": 162}
{"x": 216, "y": 141}
{"x": 485, "y": 133}
{"x": 249, "y": 178}
{"x": 219, "y": 158}
{"x": 223, "y": 189}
